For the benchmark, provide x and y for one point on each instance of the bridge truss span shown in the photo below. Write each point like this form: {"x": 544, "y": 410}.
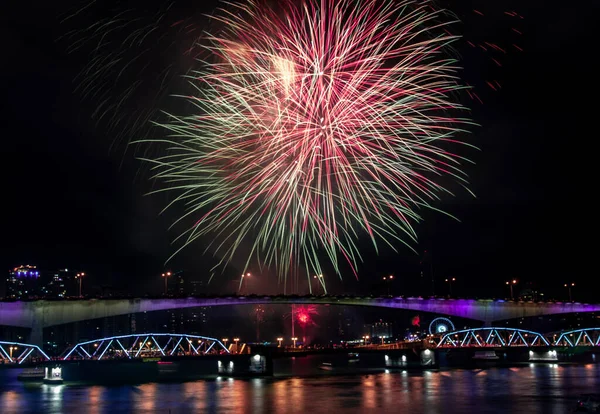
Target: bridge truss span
{"x": 147, "y": 345}
{"x": 17, "y": 353}
{"x": 491, "y": 337}
{"x": 578, "y": 337}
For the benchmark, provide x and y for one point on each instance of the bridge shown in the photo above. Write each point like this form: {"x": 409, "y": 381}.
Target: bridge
{"x": 496, "y": 337}
{"x": 17, "y": 353}
{"x": 158, "y": 345}
{"x": 146, "y": 345}
{"x": 40, "y": 314}
{"x": 492, "y": 337}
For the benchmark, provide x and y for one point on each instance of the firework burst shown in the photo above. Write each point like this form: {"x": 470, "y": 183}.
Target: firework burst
{"x": 315, "y": 123}
{"x": 304, "y": 315}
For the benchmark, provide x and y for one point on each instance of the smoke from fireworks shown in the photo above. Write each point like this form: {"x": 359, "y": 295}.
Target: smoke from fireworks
{"x": 314, "y": 123}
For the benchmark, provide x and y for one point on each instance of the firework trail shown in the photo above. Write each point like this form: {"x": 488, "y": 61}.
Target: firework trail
{"x": 132, "y": 56}
{"x": 314, "y": 123}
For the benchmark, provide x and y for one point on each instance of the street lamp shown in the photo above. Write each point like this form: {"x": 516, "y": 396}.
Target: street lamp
{"x": 225, "y": 341}
{"x": 11, "y": 349}
{"x": 80, "y": 277}
{"x": 319, "y": 279}
{"x": 366, "y": 339}
{"x": 569, "y": 286}
{"x": 166, "y": 276}
{"x": 449, "y": 281}
{"x": 279, "y": 340}
{"x": 388, "y": 280}
{"x": 511, "y": 283}
{"x": 236, "y": 340}
{"x": 294, "y": 339}
{"x": 244, "y": 276}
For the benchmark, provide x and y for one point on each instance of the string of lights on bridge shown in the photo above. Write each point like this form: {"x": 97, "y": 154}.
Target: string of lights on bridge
{"x": 150, "y": 345}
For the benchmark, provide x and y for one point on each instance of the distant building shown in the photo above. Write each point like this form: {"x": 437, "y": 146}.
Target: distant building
{"x": 196, "y": 287}
{"x": 55, "y": 288}
{"x": 179, "y": 288}
{"x": 380, "y": 329}
{"x": 349, "y": 325}
{"x": 60, "y": 284}
{"x": 23, "y": 282}
{"x": 176, "y": 285}
{"x": 176, "y": 321}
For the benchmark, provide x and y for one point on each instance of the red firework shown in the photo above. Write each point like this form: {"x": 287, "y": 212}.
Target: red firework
{"x": 304, "y": 315}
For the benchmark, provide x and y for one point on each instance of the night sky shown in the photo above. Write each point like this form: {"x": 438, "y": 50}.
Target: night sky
{"x": 72, "y": 199}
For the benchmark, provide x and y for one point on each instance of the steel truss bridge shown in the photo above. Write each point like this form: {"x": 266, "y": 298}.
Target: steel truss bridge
{"x": 17, "y": 353}
{"x": 493, "y": 337}
{"x": 156, "y": 345}
{"x": 145, "y": 346}
{"x": 579, "y": 337}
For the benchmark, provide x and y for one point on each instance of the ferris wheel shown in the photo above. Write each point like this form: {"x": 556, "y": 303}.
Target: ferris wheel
{"x": 440, "y": 326}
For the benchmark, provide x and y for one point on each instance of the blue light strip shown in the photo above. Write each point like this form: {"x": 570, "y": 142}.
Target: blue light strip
{"x": 86, "y": 352}
{"x": 523, "y": 339}
{"x": 123, "y": 348}
{"x": 566, "y": 334}
{"x": 23, "y": 353}
{"x": 98, "y": 347}
{"x": 167, "y": 344}
{"x": 141, "y": 347}
{"x": 445, "y": 338}
{"x": 465, "y": 339}
{"x": 37, "y": 348}
{"x": 210, "y": 347}
{"x": 70, "y": 352}
{"x": 496, "y": 331}
{"x": 158, "y": 346}
{"x": 138, "y": 336}
{"x": 5, "y": 353}
{"x": 105, "y": 349}
{"x": 175, "y": 348}
{"x": 579, "y": 338}
{"x": 487, "y": 341}
{"x": 500, "y": 337}
{"x": 192, "y": 345}
{"x": 28, "y": 353}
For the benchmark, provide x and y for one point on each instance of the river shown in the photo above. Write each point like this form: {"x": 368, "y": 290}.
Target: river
{"x": 536, "y": 388}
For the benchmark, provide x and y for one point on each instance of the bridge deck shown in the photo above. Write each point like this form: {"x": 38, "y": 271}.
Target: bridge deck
{"x": 44, "y": 313}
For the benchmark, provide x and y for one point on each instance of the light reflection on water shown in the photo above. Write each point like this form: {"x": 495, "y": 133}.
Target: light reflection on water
{"x": 530, "y": 389}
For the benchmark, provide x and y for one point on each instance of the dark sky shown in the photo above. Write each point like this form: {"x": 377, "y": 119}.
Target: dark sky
{"x": 72, "y": 201}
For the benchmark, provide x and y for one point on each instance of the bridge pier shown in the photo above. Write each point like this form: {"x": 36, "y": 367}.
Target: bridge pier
{"x": 36, "y": 335}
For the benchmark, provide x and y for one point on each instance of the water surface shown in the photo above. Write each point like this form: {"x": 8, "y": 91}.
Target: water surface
{"x": 529, "y": 389}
